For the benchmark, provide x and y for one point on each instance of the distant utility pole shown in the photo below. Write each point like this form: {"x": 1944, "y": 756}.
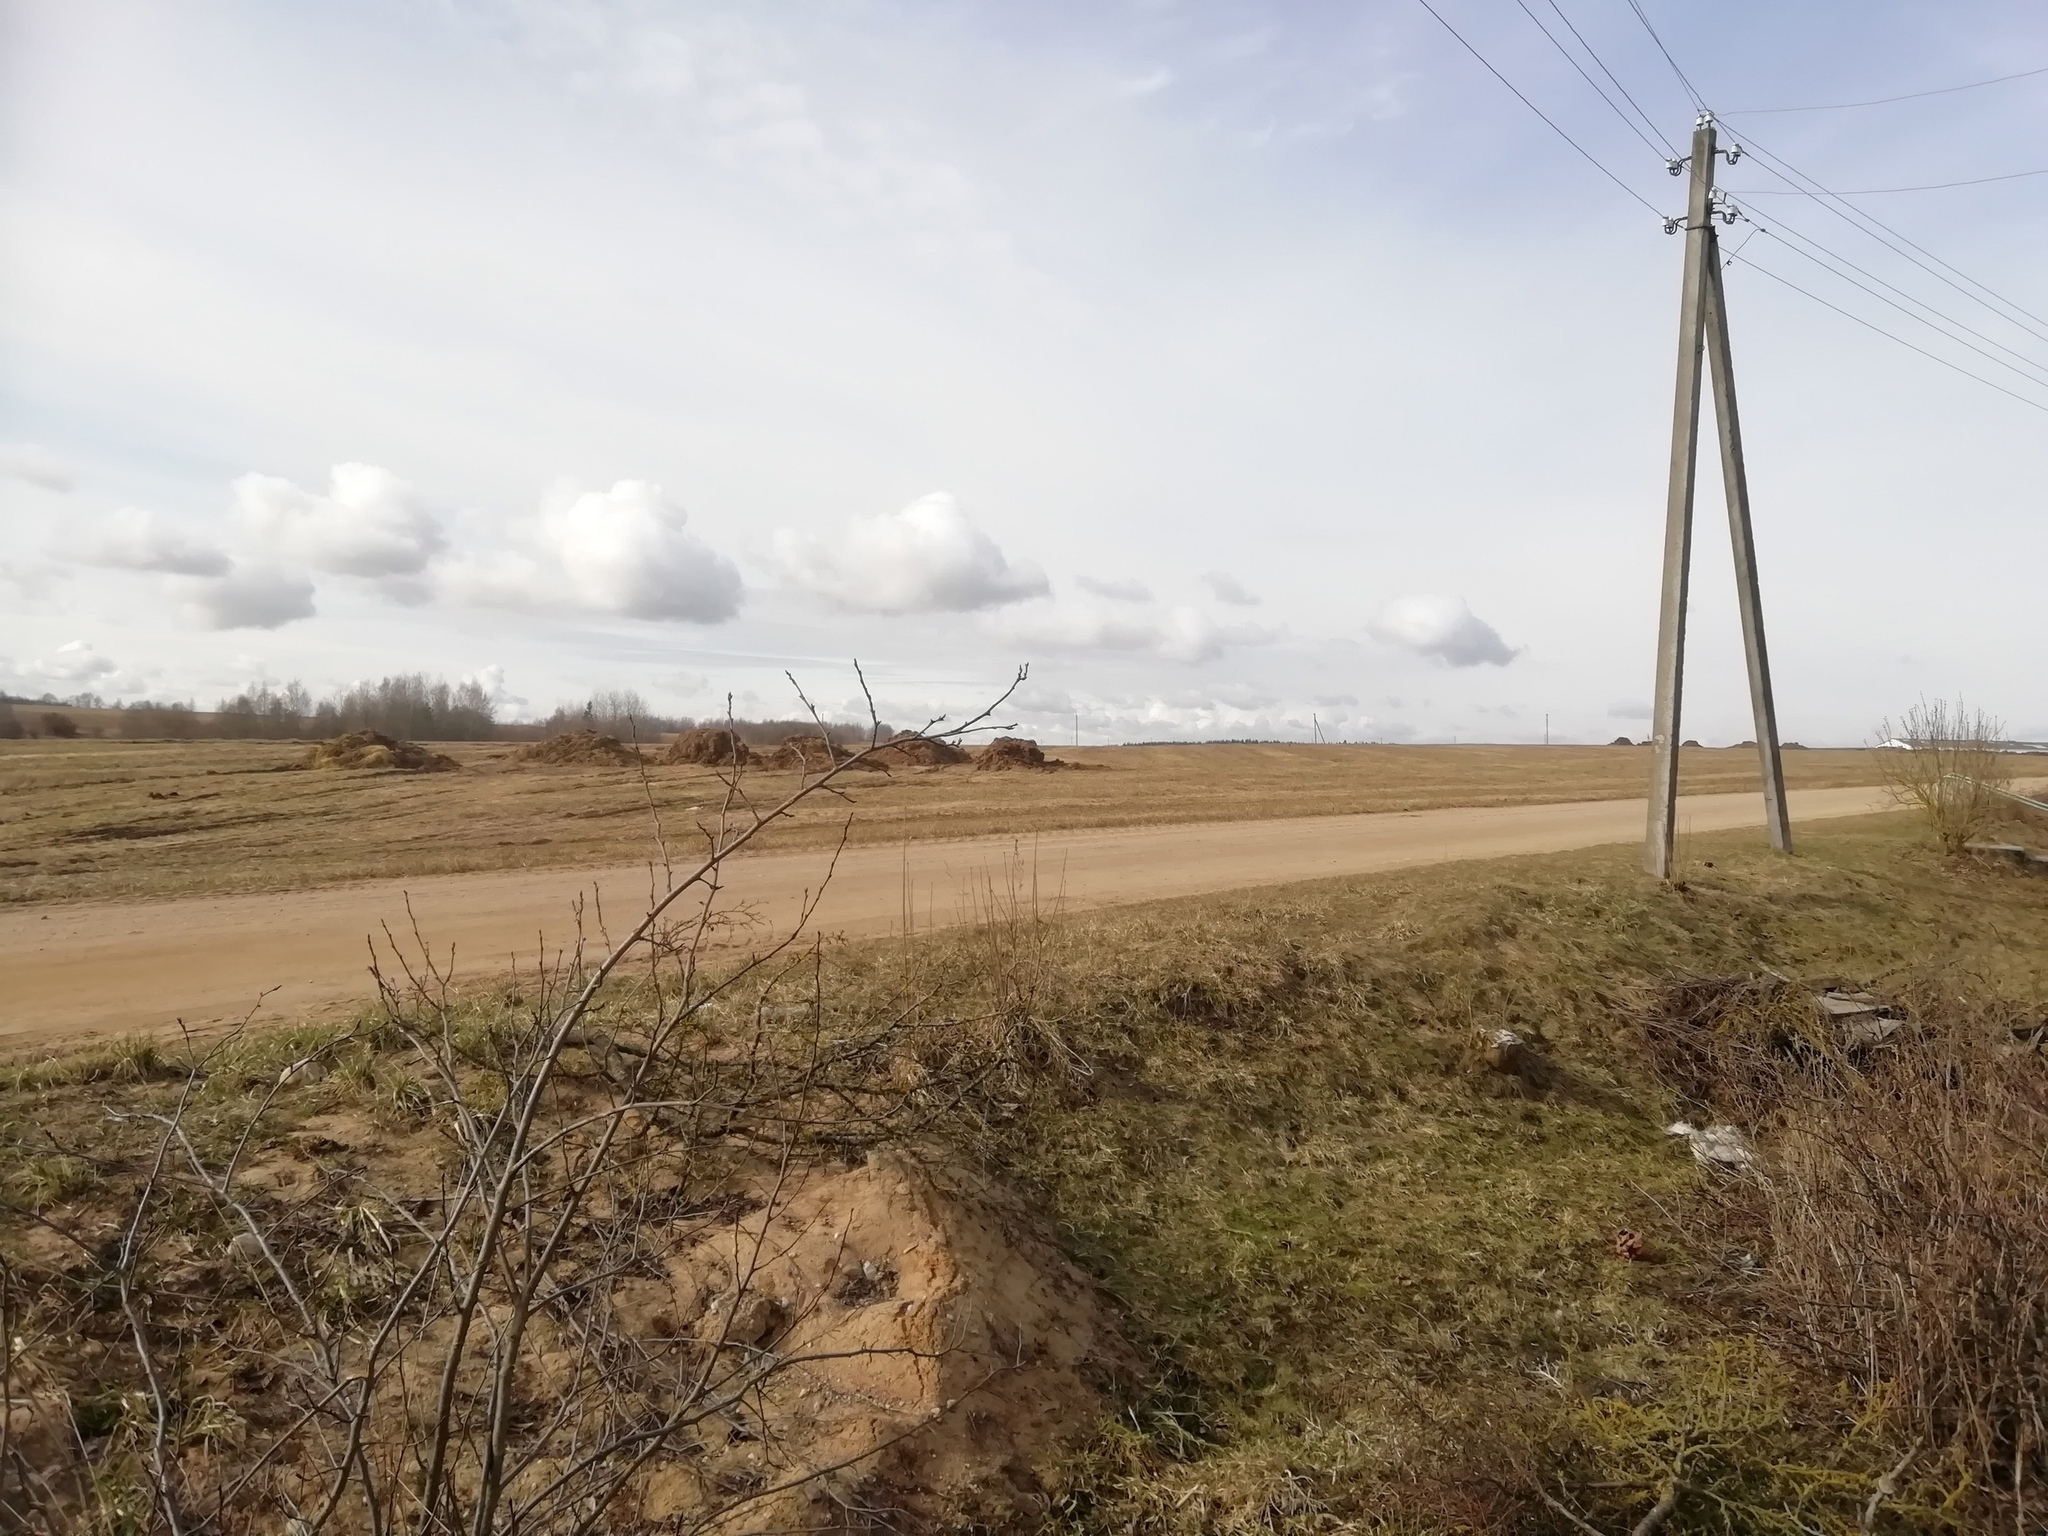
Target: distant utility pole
{"x": 1703, "y": 337}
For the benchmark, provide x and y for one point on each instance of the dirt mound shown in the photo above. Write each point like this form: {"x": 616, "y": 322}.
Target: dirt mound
{"x": 373, "y": 749}
{"x": 713, "y": 746}
{"x": 579, "y": 747}
{"x": 811, "y": 754}
{"x": 908, "y": 749}
{"x": 910, "y": 1306}
{"x": 1008, "y": 753}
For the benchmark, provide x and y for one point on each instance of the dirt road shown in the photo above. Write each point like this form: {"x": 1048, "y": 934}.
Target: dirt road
{"x": 77, "y": 971}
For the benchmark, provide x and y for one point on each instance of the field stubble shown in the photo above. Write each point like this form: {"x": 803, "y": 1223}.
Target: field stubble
{"x": 83, "y": 820}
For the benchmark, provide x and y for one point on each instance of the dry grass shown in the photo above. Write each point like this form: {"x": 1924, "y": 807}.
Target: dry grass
{"x": 104, "y": 819}
{"x": 1375, "y": 1283}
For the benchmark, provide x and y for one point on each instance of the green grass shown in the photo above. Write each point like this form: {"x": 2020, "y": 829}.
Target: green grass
{"x": 1371, "y": 1281}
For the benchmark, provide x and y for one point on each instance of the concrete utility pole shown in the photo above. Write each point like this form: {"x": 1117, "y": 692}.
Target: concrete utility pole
{"x": 1703, "y": 337}
{"x": 1748, "y": 597}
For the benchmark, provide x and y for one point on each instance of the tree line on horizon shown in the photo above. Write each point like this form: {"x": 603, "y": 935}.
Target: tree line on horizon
{"x": 410, "y": 706}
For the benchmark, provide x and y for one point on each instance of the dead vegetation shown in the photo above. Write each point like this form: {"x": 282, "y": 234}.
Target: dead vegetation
{"x": 1898, "y": 1221}
{"x": 1944, "y": 760}
{"x": 364, "y": 751}
{"x": 1366, "y": 1279}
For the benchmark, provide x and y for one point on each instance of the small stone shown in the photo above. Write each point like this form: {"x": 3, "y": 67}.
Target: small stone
{"x": 246, "y": 1248}
{"x": 1506, "y": 1051}
{"x": 1722, "y": 1146}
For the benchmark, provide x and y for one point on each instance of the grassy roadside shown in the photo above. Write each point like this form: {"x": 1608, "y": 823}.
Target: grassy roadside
{"x": 1374, "y": 1282}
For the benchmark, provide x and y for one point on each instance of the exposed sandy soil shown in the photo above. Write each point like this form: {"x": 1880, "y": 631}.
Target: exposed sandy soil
{"x": 98, "y": 820}
{"x": 83, "y": 969}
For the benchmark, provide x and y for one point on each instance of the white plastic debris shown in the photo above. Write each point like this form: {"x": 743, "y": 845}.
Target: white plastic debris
{"x": 302, "y": 1072}
{"x": 1715, "y": 1146}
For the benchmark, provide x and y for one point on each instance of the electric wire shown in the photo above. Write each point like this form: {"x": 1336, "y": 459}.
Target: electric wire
{"x": 1932, "y": 186}
{"x": 1791, "y": 175}
{"x": 1751, "y": 264}
{"x": 1882, "y": 101}
{"x": 1595, "y": 84}
{"x": 1698, "y": 101}
{"x": 1863, "y": 221}
{"x": 1525, "y": 101}
{"x": 2031, "y": 378}
{"x": 1670, "y": 150}
{"x": 1782, "y": 229}
{"x": 1773, "y": 162}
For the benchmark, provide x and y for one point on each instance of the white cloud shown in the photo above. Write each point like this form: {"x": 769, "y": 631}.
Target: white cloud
{"x": 492, "y": 680}
{"x": 249, "y": 597}
{"x": 1629, "y": 709}
{"x": 370, "y": 523}
{"x": 139, "y": 540}
{"x": 626, "y": 551}
{"x": 1229, "y": 589}
{"x": 927, "y": 558}
{"x": 1442, "y": 627}
{"x": 35, "y": 466}
{"x": 73, "y": 662}
{"x": 623, "y": 551}
{"x": 1180, "y": 634}
{"x": 1115, "y": 591}
{"x": 32, "y": 578}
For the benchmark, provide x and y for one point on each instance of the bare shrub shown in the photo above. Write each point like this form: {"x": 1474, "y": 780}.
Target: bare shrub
{"x": 1909, "y": 1216}
{"x": 603, "y": 1270}
{"x": 1899, "y": 1221}
{"x": 1943, "y": 759}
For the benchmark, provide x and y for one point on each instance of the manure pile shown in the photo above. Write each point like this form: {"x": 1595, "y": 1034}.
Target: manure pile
{"x": 908, "y": 749}
{"x": 812, "y": 754}
{"x": 1008, "y": 754}
{"x": 373, "y": 749}
{"x": 709, "y": 746}
{"x": 579, "y": 747}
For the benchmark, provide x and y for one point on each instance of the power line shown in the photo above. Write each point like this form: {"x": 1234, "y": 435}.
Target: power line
{"x": 1988, "y": 384}
{"x": 1784, "y": 229}
{"x": 1881, "y": 101}
{"x": 1525, "y": 101}
{"x": 1575, "y": 64}
{"x": 1921, "y": 319}
{"x": 1863, "y": 221}
{"x": 1698, "y": 100}
{"x": 1670, "y": 149}
{"x": 1932, "y": 186}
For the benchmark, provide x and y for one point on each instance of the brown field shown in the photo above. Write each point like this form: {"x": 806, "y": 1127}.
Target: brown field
{"x": 90, "y": 819}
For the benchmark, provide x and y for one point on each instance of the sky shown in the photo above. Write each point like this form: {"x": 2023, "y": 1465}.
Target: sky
{"x": 1245, "y": 369}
